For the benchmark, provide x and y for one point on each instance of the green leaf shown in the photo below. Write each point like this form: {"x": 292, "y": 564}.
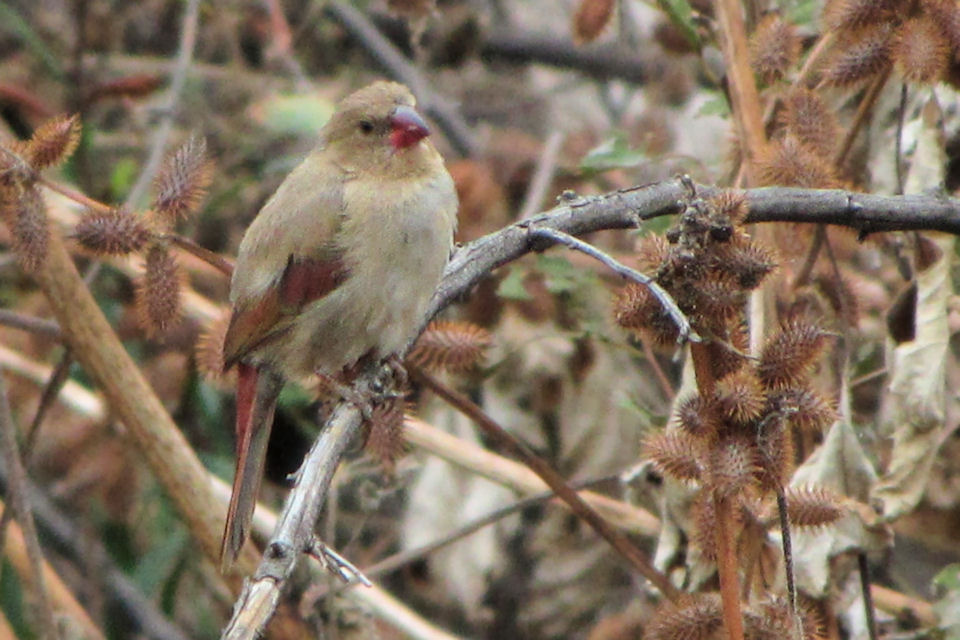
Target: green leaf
{"x": 715, "y": 106}
{"x": 613, "y": 153}
{"x": 154, "y": 568}
{"x": 511, "y": 287}
{"x": 293, "y": 114}
{"x": 11, "y": 599}
{"x": 122, "y": 177}
{"x": 802, "y": 12}
{"x": 681, "y": 15}
{"x": 560, "y": 275}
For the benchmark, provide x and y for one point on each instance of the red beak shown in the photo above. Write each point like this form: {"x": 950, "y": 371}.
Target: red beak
{"x": 408, "y": 127}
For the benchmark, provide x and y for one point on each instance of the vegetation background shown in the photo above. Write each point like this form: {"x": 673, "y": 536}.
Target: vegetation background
{"x": 189, "y": 114}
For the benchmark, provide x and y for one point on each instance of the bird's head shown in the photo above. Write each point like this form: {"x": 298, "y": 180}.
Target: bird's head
{"x": 378, "y": 125}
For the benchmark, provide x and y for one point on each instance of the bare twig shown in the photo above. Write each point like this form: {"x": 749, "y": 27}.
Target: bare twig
{"x": 212, "y": 258}
{"x": 511, "y": 474}
{"x": 402, "y": 558}
{"x": 598, "y": 61}
{"x": 188, "y": 37}
{"x": 20, "y": 505}
{"x": 863, "y": 110}
{"x": 744, "y": 98}
{"x": 683, "y": 325}
{"x": 864, "y": 570}
{"x": 38, "y": 326}
{"x": 543, "y": 176}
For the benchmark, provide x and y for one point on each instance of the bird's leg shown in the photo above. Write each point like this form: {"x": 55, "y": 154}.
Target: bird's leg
{"x": 395, "y": 368}
{"x": 347, "y": 392}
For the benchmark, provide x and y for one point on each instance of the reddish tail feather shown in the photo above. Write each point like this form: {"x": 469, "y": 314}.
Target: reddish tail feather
{"x": 257, "y": 392}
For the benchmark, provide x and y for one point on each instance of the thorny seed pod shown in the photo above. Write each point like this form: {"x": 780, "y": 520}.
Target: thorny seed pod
{"x": 53, "y": 142}
{"x": 788, "y": 162}
{"x": 812, "y": 506}
{"x": 806, "y": 116}
{"x": 854, "y": 14}
{"x": 674, "y": 454}
{"x": 922, "y": 51}
{"x": 385, "y": 438}
{"x": 208, "y": 351}
{"x": 637, "y": 309}
{"x": 697, "y": 617}
{"x": 732, "y": 467}
{"x": 788, "y": 355}
{"x": 25, "y": 213}
{"x": 860, "y": 57}
{"x": 450, "y": 346}
{"x": 740, "y": 396}
{"x": 115, "y": 232}
{"x": 158, "y": 293}
{"x": 183, "y": 180}
{"x": 805, "y": 409}
{"x": 774, "y": 48}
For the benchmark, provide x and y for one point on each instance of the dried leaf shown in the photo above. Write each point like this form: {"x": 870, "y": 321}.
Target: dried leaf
{"x": 591, "y": 19}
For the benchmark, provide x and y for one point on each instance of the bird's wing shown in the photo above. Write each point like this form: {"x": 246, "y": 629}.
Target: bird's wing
{"x": 257, "y": 321}
{"x": 290, "y": 257}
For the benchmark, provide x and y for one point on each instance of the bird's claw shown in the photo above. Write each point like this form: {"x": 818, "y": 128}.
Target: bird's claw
{"x": 336, "y": 563}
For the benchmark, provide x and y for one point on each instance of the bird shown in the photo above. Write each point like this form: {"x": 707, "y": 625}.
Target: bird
{"x": 339, "y": 265}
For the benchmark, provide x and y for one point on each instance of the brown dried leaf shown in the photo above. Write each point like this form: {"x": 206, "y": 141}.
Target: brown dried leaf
{"x": 591, "y": 19}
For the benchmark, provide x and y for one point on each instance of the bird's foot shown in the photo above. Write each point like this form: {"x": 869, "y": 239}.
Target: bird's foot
{"x": 336, "y": 563}
{"x": 348, "y": 393}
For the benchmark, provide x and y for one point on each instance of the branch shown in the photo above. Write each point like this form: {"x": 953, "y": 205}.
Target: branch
{"x": 627, "y": 208}
{"x": 598, "y": 61}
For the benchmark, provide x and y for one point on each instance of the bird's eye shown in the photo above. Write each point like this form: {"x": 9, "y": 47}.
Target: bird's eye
{"x": 366, "y": 126}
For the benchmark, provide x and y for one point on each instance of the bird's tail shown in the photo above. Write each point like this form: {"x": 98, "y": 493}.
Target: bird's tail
{"x": 257, "y": 392}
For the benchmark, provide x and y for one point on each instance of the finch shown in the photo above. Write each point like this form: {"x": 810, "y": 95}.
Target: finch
{"x": 340, "y": 264}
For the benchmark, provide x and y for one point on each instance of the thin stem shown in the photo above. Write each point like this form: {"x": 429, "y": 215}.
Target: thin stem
{"x": 75, "y": 195}
{"x": 803, "y": 276}
{"x": 615, "y": 538}
{"x": 218, "y": 262}
{"x": 38, "y": 326}
{"x": 898, "y": 141}
{"x": 863, "y": 110}
{"x": 868, "y": 610}
{"x": 188, "y": 38}
{"x": 569, "y": 241}
{"x": 20, "y": 506}
{"x": 787, "y": 544}
{"x": 727, "y": 567}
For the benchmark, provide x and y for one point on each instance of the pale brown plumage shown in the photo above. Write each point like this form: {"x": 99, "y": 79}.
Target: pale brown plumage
{"x": 340, "y": 263}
